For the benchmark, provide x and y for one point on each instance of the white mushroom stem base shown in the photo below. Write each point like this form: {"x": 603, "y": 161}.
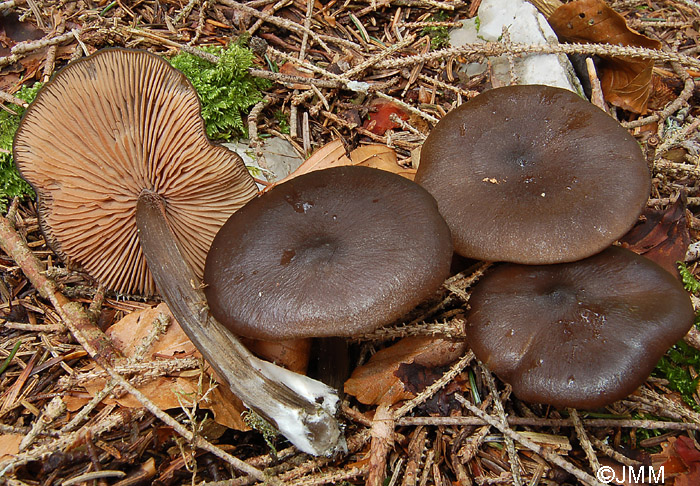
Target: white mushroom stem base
{"x": 302, "y": 409}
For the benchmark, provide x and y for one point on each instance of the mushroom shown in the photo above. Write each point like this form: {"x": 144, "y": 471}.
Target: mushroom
{"x": 533, "y": 174}
{"x": 581, "y": 334}
{"x": 131, "y": 190}
{"x": 334, "y": 252}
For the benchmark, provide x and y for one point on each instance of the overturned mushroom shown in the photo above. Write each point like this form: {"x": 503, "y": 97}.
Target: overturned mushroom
{"x": 335, "y": 252}
{"x": 116, "y": 150}
{"x": 533, "y": 174}
{"x": 581, "y": 334}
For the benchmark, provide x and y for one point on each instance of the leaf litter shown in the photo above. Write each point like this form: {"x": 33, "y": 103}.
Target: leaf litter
{"x": 413, "y": 440}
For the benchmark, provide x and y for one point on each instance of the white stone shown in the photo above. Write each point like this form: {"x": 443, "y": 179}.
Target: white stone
{"x": 523, "y": 24}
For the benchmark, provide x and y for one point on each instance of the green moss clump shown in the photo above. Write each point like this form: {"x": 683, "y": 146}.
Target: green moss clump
{"x": 690, "y": 283}
{"x": 674, "y": 367}
{"x": 439, "y": 36}
{"x": 11, "y": 184}
{"x": 226, "y": 89}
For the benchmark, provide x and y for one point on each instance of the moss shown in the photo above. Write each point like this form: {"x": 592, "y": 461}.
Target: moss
{"x": 226, "y": 89}
{"x": 11, "y": 184}
{"x": 674, "y": 367}
{"x": 439, "y": 36}
{"x": 690, "y": 283}
{"x": 259, "y": 424}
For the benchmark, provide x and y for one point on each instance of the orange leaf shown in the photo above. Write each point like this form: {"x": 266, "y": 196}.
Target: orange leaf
{"x": 380, "y": 157}
{"x": 167, "y": 391}
{"x": 9, "y": 445}
{"x": 376, "y": 382}
{"x": 292, "y": 70}
{"x": 626, "y": 82}
{"x": 330, "y": 155}
{"x": 379, "y": 120}
{"x": 293, "y": 354}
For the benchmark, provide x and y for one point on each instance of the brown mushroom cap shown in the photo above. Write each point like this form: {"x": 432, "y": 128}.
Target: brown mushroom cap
{"x": 103, "y": 130}
{"x": 335, "y": 252}
{"x": 533, "y": 174}
{"x": 581, "y": 334}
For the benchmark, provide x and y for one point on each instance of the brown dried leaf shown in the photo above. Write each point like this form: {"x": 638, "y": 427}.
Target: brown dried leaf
{"x": 376, "y": 382}
{"x": 333, "y": 155}
{"x": 168, "y": 391}
{"x": 9, "y": 445}
{"x": 663, "y": 236}
{"x": 130, "y": 331}
{"x": 330, "y": 155}
{"x": 293, "y": 354}
{"x": 626, "y": 82}
{"x": 680, "y": 460}
{"x": 380, "y": 157}
{"x": 12, "y": 31}
{"x": 292, "y": 70}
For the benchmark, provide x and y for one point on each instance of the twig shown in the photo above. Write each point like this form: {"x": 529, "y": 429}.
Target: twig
{"x": 454, "y": 370}
{"x": 583, "y": 440}
{"x": 92, "y": 476}
{"x": 253, "y": 118}
{"x": 674, "y": 106}
{"x": 64, "y": 440}
{"x": 452, "y": 329}
{"x": 546, "y": 422}
{"x": 97, "y": 345}
{"x": 546, "y": 454}
{"x": 597, "y": 97}
{"x": 27, "y": 47}
{"x": 492, "y": 49}
{"x": 52, "y": 410}
{"x": 10, "y": 4}
{"x": 612, "y": 453}
{"x": 278, "y": 21}
{"x": 382, "y": 432}
{"x": 498, "y": 406}
{"x": 307, "y": 26}
{"x": 8, "y": 98}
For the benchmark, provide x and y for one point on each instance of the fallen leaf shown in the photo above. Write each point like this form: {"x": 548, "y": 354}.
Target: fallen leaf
{"x": 380, "y": 157}
{"x": 330, "y": 155}
{"x": 12, "y": 31}
{"x": 9, "y": 445}
{"x": 379, "y": 118}
{"x": 292, "y": 354}
{"x": 663, "y": 236}
{"x": 292, "y": 70}
{"x": 132, "y": 329}
{"x": 376, "y": 382}
{"x": 168, "y": 391}
{"x": 626, "y": 81}
{"x": 417, "y": 378}
{"x": 680, "y": 460}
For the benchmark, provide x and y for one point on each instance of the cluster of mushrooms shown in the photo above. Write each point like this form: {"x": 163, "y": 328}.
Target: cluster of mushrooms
{"x": 548, "y": 182}
{"x": 131, "y": 191}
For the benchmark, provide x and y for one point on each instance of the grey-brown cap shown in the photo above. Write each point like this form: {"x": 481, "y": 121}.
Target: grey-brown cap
{"x": 533, "y": 174}
{"x": 103, "y": 130}
{"x": 334, "y": 252}
{"x": 581, "y": 334}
